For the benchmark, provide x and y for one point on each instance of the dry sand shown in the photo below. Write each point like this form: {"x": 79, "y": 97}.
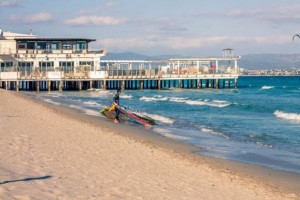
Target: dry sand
{"x": 48, "y": 152}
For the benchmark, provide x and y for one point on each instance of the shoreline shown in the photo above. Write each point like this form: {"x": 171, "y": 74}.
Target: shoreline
{"x": 144, "y": 135}
{"x": 284, "y": 184}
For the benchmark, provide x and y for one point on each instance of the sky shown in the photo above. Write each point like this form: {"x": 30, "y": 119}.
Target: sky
{"x": 162, "y": 27}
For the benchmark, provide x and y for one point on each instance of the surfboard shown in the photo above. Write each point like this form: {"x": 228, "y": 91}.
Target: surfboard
{"x": 127, "y": 115}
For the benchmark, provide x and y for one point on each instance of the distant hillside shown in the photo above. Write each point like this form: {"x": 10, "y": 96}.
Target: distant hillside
{"x": 270, "y": 61}
{"x": 250, "y": 61}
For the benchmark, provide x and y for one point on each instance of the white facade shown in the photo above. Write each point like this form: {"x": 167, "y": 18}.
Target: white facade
{"x": 33, "y": 56}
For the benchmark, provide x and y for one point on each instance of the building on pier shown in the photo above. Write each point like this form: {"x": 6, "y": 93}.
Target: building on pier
{"x": 28, "y": 62}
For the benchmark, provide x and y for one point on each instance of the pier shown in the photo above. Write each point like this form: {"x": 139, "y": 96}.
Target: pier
{"x": 46, "y": 64}
{"x": 196, "y": 73}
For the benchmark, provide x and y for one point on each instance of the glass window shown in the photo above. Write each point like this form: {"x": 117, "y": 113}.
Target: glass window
{"x": 91, "y": 63}
{"x": 55, "y": 46}
{"x": 30, "y": 45}
{"x": 67, "y": 46}
{"x": 22, "y": 46}
{"x": 41, "y": 45}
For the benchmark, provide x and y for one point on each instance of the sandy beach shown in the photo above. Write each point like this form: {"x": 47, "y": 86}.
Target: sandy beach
{"x": 50, "y": 152}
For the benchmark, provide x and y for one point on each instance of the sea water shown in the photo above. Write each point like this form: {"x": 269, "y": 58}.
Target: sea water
{"x": 257, "y": 123}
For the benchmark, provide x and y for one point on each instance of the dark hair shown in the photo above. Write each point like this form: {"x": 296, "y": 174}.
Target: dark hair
{"x": 118, "y": 90}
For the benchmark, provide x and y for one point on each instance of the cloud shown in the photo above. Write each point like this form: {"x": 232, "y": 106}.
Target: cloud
{"x": 126, "y": 43}
{"x": 95, "y": 20}
{"x": 182, "y": 43}
{"x": 276, "y": 13}
{"x": 8, "y": 3}
{"x": 38, "y": 17}
{"x": 31, "y": 19}
{"x": 111, "y": 4}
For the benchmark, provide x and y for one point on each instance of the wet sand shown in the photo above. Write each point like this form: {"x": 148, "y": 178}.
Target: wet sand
{"x": 51, "y": 152}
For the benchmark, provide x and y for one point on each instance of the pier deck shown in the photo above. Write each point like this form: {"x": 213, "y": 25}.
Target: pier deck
{"x": 127, "y": 75}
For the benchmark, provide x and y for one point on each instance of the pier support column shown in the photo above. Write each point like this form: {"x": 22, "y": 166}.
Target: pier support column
{"x": 91, "y": 84}
{"x": 179, "y": 83}
{"x": 123, "y": 85}
{"x": 49, "y": 86}
{"x": 141, "y": 84}
{"x": 104, "y": 84}
{"x": 198, "y": 83}
{"x": 235, "y": 83}
{"x": 6, "y": 85}
{"x": 207, "y": 83}
{"x": 80, "y": 85}
{"x": 17, "y": 86}
{"x": 229, "y": 83}
{"x": 159, "y": 84}
{"x": 37, "y": 86}
{"x": 60, "y": 86}
{"x": 217, "y": 84}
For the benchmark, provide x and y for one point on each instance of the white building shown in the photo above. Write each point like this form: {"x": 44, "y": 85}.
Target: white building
{"x": 28, "y": 56}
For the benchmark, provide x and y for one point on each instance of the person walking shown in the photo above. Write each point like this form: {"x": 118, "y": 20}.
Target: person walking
{"x": 117, "y": 101}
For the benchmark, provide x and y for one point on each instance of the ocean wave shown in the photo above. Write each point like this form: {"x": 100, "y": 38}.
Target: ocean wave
{"x": 124, "y": 96}
{"x": 148, "y": 99}
{"x": 260, "y": 139}
{"x": 91, "y": 112}
{"x": 167, "y": 134}
{"x": 213, "y": 132}
{"x": 75, "y": 107}
{"x": 266, "y": 87}
{"x": 178, "y": 99}
{"x": 264, "y": 144}
{"x": 91, "y": 103}
{"x": 287, "y": 116}
{"x": 213, "y": 103}
{"x": 160, "y": 118}
{"x": 52, "y": 102}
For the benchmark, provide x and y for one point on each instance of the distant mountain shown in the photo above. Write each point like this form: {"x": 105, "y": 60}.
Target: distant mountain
{"x": 270, "y": 61}
{"x": 249, "y": 61}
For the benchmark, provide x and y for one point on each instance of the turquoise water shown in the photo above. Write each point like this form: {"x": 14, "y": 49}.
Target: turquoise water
{"x": 257, "y": 123}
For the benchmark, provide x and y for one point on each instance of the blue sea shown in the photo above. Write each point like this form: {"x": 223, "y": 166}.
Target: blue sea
{"x": 257, "y": 123}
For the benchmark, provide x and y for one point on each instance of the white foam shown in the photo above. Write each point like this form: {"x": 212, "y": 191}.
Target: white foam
{"x": 76, "y": 107}
{"x": 287, "y": 116}
{"x": 208, "y": 103}
{"x": 170, "y": 135}
{"x": 147, "y": 99}
{"x": 210, "y": 131}
{"x": 91, "y": 112}
{"x": 52, "y": 102}
{"x": 160, "y": 118}
{"x": 178, "y": 99}
{"x": 91, "y": 103}
{"x": 124, "y": 96}
{"x": 266, "y": 87}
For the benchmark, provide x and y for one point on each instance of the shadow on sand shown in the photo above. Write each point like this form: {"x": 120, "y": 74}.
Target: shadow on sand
{"x": 26, "y": 179}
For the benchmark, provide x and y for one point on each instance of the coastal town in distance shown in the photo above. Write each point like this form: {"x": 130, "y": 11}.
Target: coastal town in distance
{"x": 270, "y": 72}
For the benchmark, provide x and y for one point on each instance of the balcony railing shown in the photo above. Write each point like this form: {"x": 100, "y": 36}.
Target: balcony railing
{"x": 58, "y": 51}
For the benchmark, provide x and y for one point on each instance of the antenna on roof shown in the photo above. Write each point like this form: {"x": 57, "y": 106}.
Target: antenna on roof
{"x": 30, "y": 30}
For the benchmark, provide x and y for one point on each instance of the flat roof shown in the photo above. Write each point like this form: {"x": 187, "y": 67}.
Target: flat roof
{"x": 54, "y": 39}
